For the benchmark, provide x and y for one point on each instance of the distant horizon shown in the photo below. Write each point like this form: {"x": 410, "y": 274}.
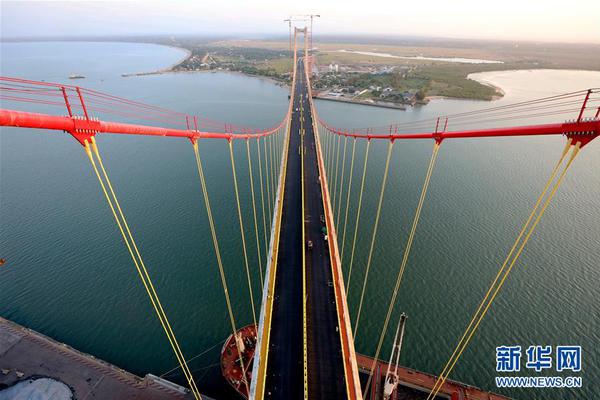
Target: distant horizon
{"x": 325, "y": 37}
{"x": 548, "y": 21}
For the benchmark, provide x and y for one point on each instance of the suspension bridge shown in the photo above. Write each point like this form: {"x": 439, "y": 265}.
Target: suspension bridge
{"x": 305, "y": 250}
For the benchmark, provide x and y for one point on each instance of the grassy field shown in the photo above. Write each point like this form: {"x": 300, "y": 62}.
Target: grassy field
{"x": 436, "y": 78}
{"x": 428, "y": 77}
{"x": 529, "y": 54}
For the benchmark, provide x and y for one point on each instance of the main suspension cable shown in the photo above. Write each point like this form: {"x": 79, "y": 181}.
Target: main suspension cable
{"x": 374, "y": 235}
{"x": 507, "y": 267}
{"x": 219, "y": 260}
{"x": 409, "y": 242}
{"x": 91, "y": 150}
{"x": 360, "y": 196}
{"x": 241, "y": 221}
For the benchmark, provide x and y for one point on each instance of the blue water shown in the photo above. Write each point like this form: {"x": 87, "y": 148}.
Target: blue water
{"x": 69, "y": 276}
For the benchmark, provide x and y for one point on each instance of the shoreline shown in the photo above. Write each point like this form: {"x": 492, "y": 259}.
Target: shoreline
{"x": 388, "y": 105}
{"x": 188, "y": 54}
{"x": 170, "y": 70}
{"x": 500, "y": 92}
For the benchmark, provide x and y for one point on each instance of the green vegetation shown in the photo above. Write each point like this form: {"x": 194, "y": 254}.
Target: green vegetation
{"x": 452, "y": 81}
{"x": 360, "y": 72}
{"x": 439, "y": 80}
{"x": 251, "y": 61}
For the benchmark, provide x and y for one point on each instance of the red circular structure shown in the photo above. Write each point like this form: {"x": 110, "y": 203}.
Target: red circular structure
{"x": 231, "y": 362}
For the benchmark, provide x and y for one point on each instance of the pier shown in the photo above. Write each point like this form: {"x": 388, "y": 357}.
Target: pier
{"x": 26, "y": 354}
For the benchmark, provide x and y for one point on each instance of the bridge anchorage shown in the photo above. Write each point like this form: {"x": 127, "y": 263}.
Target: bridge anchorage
{"x": 300, "y": 343}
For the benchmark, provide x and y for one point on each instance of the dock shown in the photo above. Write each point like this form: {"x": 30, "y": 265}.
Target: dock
{"x": 27, "y": 355}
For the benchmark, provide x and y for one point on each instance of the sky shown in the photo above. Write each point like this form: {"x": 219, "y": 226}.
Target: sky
{"x": 534, "y": 20}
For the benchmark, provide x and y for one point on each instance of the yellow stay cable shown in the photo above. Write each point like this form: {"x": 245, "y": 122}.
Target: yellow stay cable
{"x": 272, "y": 170}
{"x": 218, "y": 255}
{"x": 326, "y": 140}
{"x": 464, "y": 343}
{"x": 505, "y": 263}
{"x": 279, "y": 145}
{"x": 241, "y": 220}
{"x": 262, "y": 198}
{"x": 339, "y": 208}
{"x": 373, "y": 237}
{"x": 409, "y": 242}
{"x": 350, "y": 178}
{"x": 360, "y": 196}
{"x": 275, "y": 167}
{"x": 268, "y": 162}
{"x": 267, "y": 177}
{"x": 277, "y": 156}
{"x": 337, "y": 163}
{"x": 138, "y": 261}
{"x": 331, "y": 152}
{"x": 284, "y": 131}
{"x": 250, "y": 173}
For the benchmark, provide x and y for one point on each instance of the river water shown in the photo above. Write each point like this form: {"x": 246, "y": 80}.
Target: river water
{"x": 69, "y": 276}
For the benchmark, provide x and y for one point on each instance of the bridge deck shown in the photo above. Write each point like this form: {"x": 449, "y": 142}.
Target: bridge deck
{"x": 325, "y": 363}
{"x": 284, "y": 378}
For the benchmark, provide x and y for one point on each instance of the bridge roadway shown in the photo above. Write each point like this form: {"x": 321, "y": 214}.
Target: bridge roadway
{"x": 284, "y": 378}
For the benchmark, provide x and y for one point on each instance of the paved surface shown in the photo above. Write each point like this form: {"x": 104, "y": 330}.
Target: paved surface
{"x": 284, "y": 378}
{"x": 26, "y": 354}
{"x": 37, "y": 389}
{"x": 325, "y": 363}
{"x": 285, "y": 362}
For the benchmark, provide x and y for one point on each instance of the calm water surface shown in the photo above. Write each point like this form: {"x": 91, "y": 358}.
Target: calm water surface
{"x": 69, "y": 276}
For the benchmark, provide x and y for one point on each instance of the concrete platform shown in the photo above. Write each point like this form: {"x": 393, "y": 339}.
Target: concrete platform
{"x": 26, "y": 354}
